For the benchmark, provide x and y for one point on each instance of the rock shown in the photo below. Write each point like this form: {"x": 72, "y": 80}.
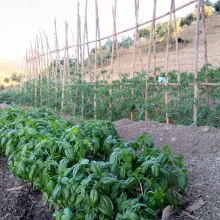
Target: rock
{"x": 166, "y": 213}
{"x": 196, "y": 205}
{"x": 173, "y": 139}
{"x": 205, "y": 129}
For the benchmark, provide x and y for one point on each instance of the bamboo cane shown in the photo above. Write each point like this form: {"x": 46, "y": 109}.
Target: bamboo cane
{"x": 149, "y": 55}
{"x": 167, "y": 62}
{"x": 205, "y": 46}
{"x": 136, "y": 6}
{"x": 83, "y": 57}
{"x": 57, "y": 65}
{"x": 48, "y": 67}
{"x": 196, "y": 88}
{"x": 112, "y": 62}
{"x": 96, "y": 38}
{"x": 98, "y": 34}
{"x": 65, "y": 70}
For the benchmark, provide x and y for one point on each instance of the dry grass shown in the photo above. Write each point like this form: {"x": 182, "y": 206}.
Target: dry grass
{"x": 186, "y": 52}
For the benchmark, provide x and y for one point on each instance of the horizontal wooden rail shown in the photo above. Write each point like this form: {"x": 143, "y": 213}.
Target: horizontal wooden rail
{"x": 118, "y": 33}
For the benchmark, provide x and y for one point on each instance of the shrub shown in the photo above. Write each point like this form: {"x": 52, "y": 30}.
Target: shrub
{"x": 126, "y": 42}
{"x": 15, "y": 77}
{"x": 217, "y": 6}
{"x": 144, "y": 33}
{"x": 187, "y": 20}
{"x": 6, "y": 80}
{"x": 85, "y": 171}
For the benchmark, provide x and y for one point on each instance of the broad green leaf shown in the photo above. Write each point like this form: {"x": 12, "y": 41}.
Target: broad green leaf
{"x": 155, "y": 170}
{"x": 106, "y": 206}
{"x": 182, "y": 180}
{"x": 94, "y": 197}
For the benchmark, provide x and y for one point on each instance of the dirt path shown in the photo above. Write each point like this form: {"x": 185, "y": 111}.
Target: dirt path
{"x": 201, "y": 149}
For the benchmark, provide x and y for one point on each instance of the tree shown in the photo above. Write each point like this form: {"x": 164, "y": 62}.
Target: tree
{"x": 144, "y": 33}
{"x": 217, "y": 6}
{"x": 126, "y": 42}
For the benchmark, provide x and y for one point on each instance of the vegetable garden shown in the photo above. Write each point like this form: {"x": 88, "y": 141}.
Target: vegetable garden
{"x": 82, "y": 167}
{"x": 85, "y": 171}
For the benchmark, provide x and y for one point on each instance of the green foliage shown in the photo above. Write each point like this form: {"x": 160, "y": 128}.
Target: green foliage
{"x": 144, "y": 32}
{"x": 126, "y": 42}
{"x": 217, "y": 6}
{"x": 85, "y": 171}
{"x": 162, "y": 30}
{"x": 187, "y": 20}
{"x": 15, "y": 77}
{"x": 180, "y": 107}
{"x": 6, "y": 80}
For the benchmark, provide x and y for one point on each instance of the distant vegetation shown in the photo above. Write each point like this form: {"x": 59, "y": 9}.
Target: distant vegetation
{"x": 217, "y": 6}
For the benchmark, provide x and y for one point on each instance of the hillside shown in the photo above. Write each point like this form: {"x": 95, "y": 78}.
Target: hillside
{"x": 8, "y": 70}
{"x": 186, "y": 50}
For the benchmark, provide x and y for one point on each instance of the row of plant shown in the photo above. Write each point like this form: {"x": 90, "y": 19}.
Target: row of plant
{"x": 180, "y": 106}
{"x": 85, "y": 171}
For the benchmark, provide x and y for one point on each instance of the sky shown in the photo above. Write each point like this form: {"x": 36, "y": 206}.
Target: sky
{"x": 22, "y": 20}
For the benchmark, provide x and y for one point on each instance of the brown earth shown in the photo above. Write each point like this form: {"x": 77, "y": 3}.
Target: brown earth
{"x": 200, "y": 147}
{"x": 186, "y": 50}
{"x": 18, "y": 201}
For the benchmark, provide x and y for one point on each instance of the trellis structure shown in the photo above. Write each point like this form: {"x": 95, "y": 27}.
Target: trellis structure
{"x": 41, "y": 61}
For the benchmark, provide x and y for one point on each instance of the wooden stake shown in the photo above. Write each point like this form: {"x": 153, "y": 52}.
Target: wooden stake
{"x": 204, "y": 31}
{"x": 49, "y": 61}
{"x": 136, "y": 6}
{"x": 98, "y": 34}
{"x": 65, "y": 69}
{"x": 57, "y": 65}
{"x": 176, "y": 42}
{"x": 83, "y": 58}
{"x": 167, "y": 62}
{"x": 152, "y": 35}
{"x": 96, "y": 37}
{"x": 112, "y": 61}
{"x": 205, "y": 46}
{"x": 196, "y": 47}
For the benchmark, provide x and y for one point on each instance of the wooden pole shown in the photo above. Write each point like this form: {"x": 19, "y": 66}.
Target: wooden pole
{"x": 116, "y": 40}
{"x": 152, "y": 37}
{"x": 65, "y": 68}
{"x": 176, "y": 42}
{"x": 83, "y": 58}
{"x": 112, "y": 61}
{"x": 136, "y": 6}
{"x": 139, "y": 25}
{"x": 204, "y": 31}
{"x": 98, "y": 34}
{"x": 167, "y": 61}
{"x": 196, "y": 47}
{"x": 78, "y": 38}
{"x": 44, "y": 61}
{"x": 205, "y": 46}
{"x": 57, "y": 65}
{"x": 96, "y": 37}
{"x": 149, "y": 55}
{"x": 87, "y": 46}
{"x": 48, "y": 62}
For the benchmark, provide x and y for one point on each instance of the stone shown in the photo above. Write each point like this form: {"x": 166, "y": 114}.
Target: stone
{"x": 205, "y": 129}
{"x": 173, "y": 139}
{"x": 196, "y": 205}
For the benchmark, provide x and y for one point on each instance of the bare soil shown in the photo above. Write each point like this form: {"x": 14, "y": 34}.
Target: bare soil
{"x": 200, "y": 147}
{"x": 19, "y": 201}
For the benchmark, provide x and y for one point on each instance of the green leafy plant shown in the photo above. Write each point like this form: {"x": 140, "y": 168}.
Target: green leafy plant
{"x": 85, "y": 171}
